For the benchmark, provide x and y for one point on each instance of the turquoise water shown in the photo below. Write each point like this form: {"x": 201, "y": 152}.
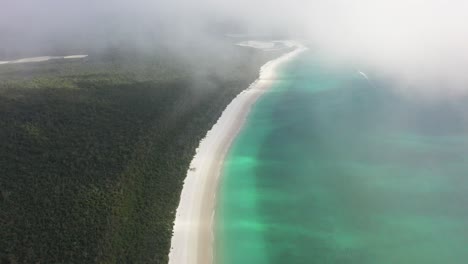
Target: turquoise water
{"x": 330, "y": 169}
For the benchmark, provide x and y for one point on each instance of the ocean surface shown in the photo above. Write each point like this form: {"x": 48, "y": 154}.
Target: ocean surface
{"x": 334, "y": 168}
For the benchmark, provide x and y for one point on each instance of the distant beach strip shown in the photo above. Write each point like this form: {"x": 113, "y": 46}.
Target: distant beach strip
{"x": 43, "y": 58}
{"x": 193, "y": 237}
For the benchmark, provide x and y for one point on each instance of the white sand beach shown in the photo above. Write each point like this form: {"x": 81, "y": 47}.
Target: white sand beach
{"x": 192, "y": 241}
{"x": 43, "y": 58}
{"x": 268, "y": 45}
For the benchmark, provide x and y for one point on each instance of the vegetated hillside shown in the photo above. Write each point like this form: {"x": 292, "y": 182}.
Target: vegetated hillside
{"x": 93, "y": 152}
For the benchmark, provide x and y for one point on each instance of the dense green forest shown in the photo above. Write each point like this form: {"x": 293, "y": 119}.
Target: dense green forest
{"x": 94, "y": 151}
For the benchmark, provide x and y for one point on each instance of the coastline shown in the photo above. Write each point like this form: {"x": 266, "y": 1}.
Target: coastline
{"x": 43, "y": 58}
{"x": 192, "y": 240}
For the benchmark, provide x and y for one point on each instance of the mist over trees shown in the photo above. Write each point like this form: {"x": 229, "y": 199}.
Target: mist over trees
{"x": 416, "y": 43}
{"x": 93, "y": 152}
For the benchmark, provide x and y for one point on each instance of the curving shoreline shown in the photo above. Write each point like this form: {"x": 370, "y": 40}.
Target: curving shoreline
{"x": 192, "y": 240}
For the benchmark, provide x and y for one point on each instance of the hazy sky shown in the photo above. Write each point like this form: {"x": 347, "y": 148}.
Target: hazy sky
{"x": 410, "y": 40}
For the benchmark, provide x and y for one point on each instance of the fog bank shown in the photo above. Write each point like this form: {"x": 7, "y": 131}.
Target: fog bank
{"x": 417, "y": 43}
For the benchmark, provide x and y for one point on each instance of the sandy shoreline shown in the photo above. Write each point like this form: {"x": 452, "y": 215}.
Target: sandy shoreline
{"x": 43, "y": 58}
{"x": 192, "y": 241}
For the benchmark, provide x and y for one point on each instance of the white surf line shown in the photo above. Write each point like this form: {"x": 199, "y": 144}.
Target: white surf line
{"x": 193, "y": 234}
{"x": 363, "y": 74}
{"x": 43, "y": 58}
{"x": 367, "y": 78}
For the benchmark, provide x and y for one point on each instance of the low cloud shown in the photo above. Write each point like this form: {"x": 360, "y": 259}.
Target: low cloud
{"x": 417, "y": 43}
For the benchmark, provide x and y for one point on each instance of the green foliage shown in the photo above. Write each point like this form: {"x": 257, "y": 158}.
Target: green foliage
{"x": 93, "y": 153}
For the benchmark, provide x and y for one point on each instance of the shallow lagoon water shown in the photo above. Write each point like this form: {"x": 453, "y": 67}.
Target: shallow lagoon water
{"x": 332, "y": 168}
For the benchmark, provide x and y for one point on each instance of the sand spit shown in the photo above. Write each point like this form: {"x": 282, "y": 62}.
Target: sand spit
{"x": 43, "y": 58}
{"x": 267, "y": 45}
